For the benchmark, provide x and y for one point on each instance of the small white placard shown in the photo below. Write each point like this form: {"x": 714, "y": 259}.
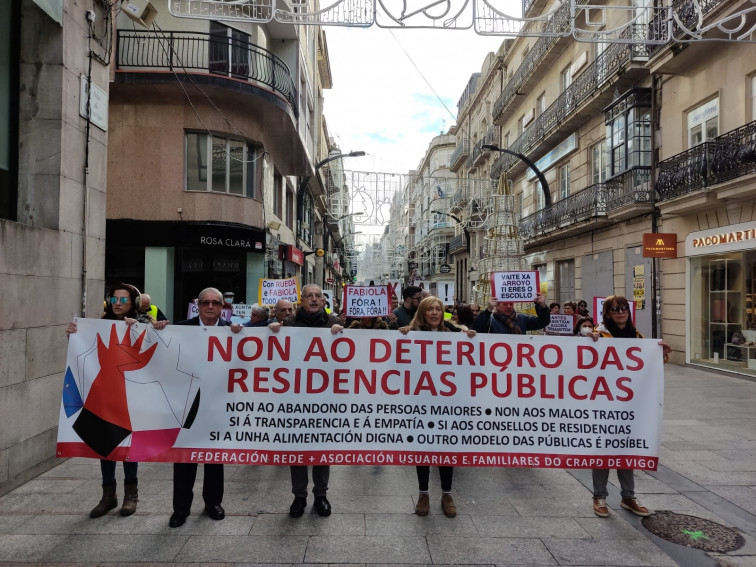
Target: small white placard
{"x": 98, "y": 104}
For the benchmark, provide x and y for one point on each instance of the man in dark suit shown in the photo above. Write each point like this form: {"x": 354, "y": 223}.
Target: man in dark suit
{"x": 210, "y": 304}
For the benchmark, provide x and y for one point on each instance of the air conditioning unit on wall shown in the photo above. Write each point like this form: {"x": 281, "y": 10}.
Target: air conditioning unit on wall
{"x": 141, "y": 11}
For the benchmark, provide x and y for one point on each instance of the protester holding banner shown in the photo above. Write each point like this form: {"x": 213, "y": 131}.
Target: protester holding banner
{"x": 569, "y": 308}
{"x": 310, "y": 314}
{"x": 462, "y": 315}
{"x": 501, "y": 317}
{"x": 122, "y": 304}
{"x": 282, "y": 310}
{"x": 430, "y": 317}
{"x": 582, "y": 309}
{"x": 554, "y": 308}
{"x": 411, "y": 296}
{"x": 259, "y": 316}
{"x": 616, "y": 323}
{"x": 210, "y": 302}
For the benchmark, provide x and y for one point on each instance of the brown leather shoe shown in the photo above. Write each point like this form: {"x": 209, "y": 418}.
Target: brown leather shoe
{"x": 107, "y": 502}
{"x": 447, "y": 503}
{"x": 599, "y": 508}
{"x": 635, "y": 507}
{"x": 423, "y": 505}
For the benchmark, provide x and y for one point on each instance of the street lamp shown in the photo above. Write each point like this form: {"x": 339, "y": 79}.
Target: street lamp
{"x": 531, "y": 165}
{"x": 342, "y": 217}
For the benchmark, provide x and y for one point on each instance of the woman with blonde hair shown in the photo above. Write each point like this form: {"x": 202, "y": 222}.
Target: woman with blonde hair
{"x": 430, "y": 317}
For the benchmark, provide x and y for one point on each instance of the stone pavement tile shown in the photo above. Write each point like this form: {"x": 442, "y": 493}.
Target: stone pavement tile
{"x": 126, "y": 547}
{"x": 747, "y": 464}
{"x": 742, "y": 496}
{"x": 368, "y": 549}
{"x": 501, "y": 551}
{"x": 75, "y": 468}
{"x": 613, "y": 527}
{"x": 413, "y": 525}
{"x": 11, "y": 523}
{"x": 195, "y": 525}
{"x": 677, "y": 503}
{"x": 734, "y": 561}
{"x": 615, "y": 552}
{"x": 52, "y": 486}
{"x": 500, "y": 526}
{"x": 51, "y": 524}
{"x": 309, "y": 524}
{"x": 34, "y": 503}
{"x": 27, "y": 548}
{"x": 357, "y": 504}
{"x": 569, "y": 508}
{"x": 253, "y": 549}
{"x": 493, "y": 504}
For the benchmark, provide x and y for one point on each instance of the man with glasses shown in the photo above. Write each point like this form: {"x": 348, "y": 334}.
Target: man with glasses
{"x": 311, "y": 313}
{"x": 210, "y": 303}
{"x": 406, "y": 311}
{"x": 501, "y": 317}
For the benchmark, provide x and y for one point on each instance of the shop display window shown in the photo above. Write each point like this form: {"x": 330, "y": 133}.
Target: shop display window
{"x": 722, "y": 317}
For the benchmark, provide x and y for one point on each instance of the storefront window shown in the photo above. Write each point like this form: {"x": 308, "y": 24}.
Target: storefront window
{"x": 723, "y": 320}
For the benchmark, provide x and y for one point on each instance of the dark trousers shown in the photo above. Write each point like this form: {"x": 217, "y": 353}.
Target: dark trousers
{"x": 299, "y": 480}
{"x": 423, "y": 476}
{"x": 183, "y": 485}
{"x": 108, "y": 469}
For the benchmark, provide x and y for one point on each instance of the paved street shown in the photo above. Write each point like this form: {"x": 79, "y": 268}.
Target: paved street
{"x": 506, "y": 516}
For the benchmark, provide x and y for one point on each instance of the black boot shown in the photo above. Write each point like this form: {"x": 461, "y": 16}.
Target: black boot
{"x": 130, "y": 498}
{"x": 107, "y": 502}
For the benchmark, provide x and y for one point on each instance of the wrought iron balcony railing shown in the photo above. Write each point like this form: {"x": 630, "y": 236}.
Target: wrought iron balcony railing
{"x": 632, "y": 186}
{"x": 663, "y": 27}
{"x": 459, "y": 197}
{"x": 460, "y": 153}
{"x": 457, "y": 244}
{"x": 559, "y": 22}
{"x": 614, "y": 57}
{"x": 726, "y": 157}
{"x": 203, "y": 52}
{"x": 583, "y": 205}
{"x": 491, "y": 137}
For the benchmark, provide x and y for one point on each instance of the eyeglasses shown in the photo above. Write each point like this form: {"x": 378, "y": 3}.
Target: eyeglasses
{"x": 208, "y": 303}
{"x": 619, "y": 308}
{"x": 309, "y": 295}
{"x": 115, "y": 300}
{"x": 417, "y": 297}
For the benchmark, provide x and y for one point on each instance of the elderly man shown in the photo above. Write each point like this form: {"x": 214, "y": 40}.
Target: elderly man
{"x": 283, "y": 309}
{"x": 310, "y": 314}
{"x": 259, "y": 316}
{"x": 210, "y": 303}
{"x": 501, "y": 317}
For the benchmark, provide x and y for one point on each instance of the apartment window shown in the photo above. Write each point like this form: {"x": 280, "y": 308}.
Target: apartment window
{"x": 566, "y": 280}
{"x": 539, "y": 199}
{"x": 521, "y": 125}
{"x": 506, "y": 140}
{"x": 290, "y": 205}
{"x": 525, "y": 53}
{"x": 540, "y": 105}
{"x": 598, "y": 163}
{"x": 564, "y": 181}
{"x": 628, "y": 131}
{"x": 566, "y": 77}
{"x": 229, "y": 51}
{"x": 219, "y": 164}
{"x": 753, "y": 98}
{"x": 277, "y": 194}
{"x": 703, "y": 123}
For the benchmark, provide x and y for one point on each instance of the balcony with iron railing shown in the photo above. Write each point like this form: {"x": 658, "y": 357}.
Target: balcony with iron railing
{"x": 711, "y": 163}
{"x": 478, "y": 153}
{"x": 536, "y": 62}
{"x": 598, "y": 204}
{"x": 208, "y": 54}
{"x": 688, "y": 15}
{"x": 458, "y": 244}
{"x": 588, "y": 94}
{"x": 460, "y": 154}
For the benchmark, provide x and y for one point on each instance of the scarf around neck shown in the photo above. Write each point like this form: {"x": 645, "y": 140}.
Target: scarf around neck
{"x": 510, "y": 322}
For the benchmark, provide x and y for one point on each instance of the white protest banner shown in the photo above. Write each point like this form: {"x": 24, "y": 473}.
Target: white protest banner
{"x": 366, "y": 301}
{"x": 305, "y": 396}
{"x": 514, "y": 286}
{"x": 445, "y": 292}
{"x": 270, "y": 291}
{"x": 560, "y": 325}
